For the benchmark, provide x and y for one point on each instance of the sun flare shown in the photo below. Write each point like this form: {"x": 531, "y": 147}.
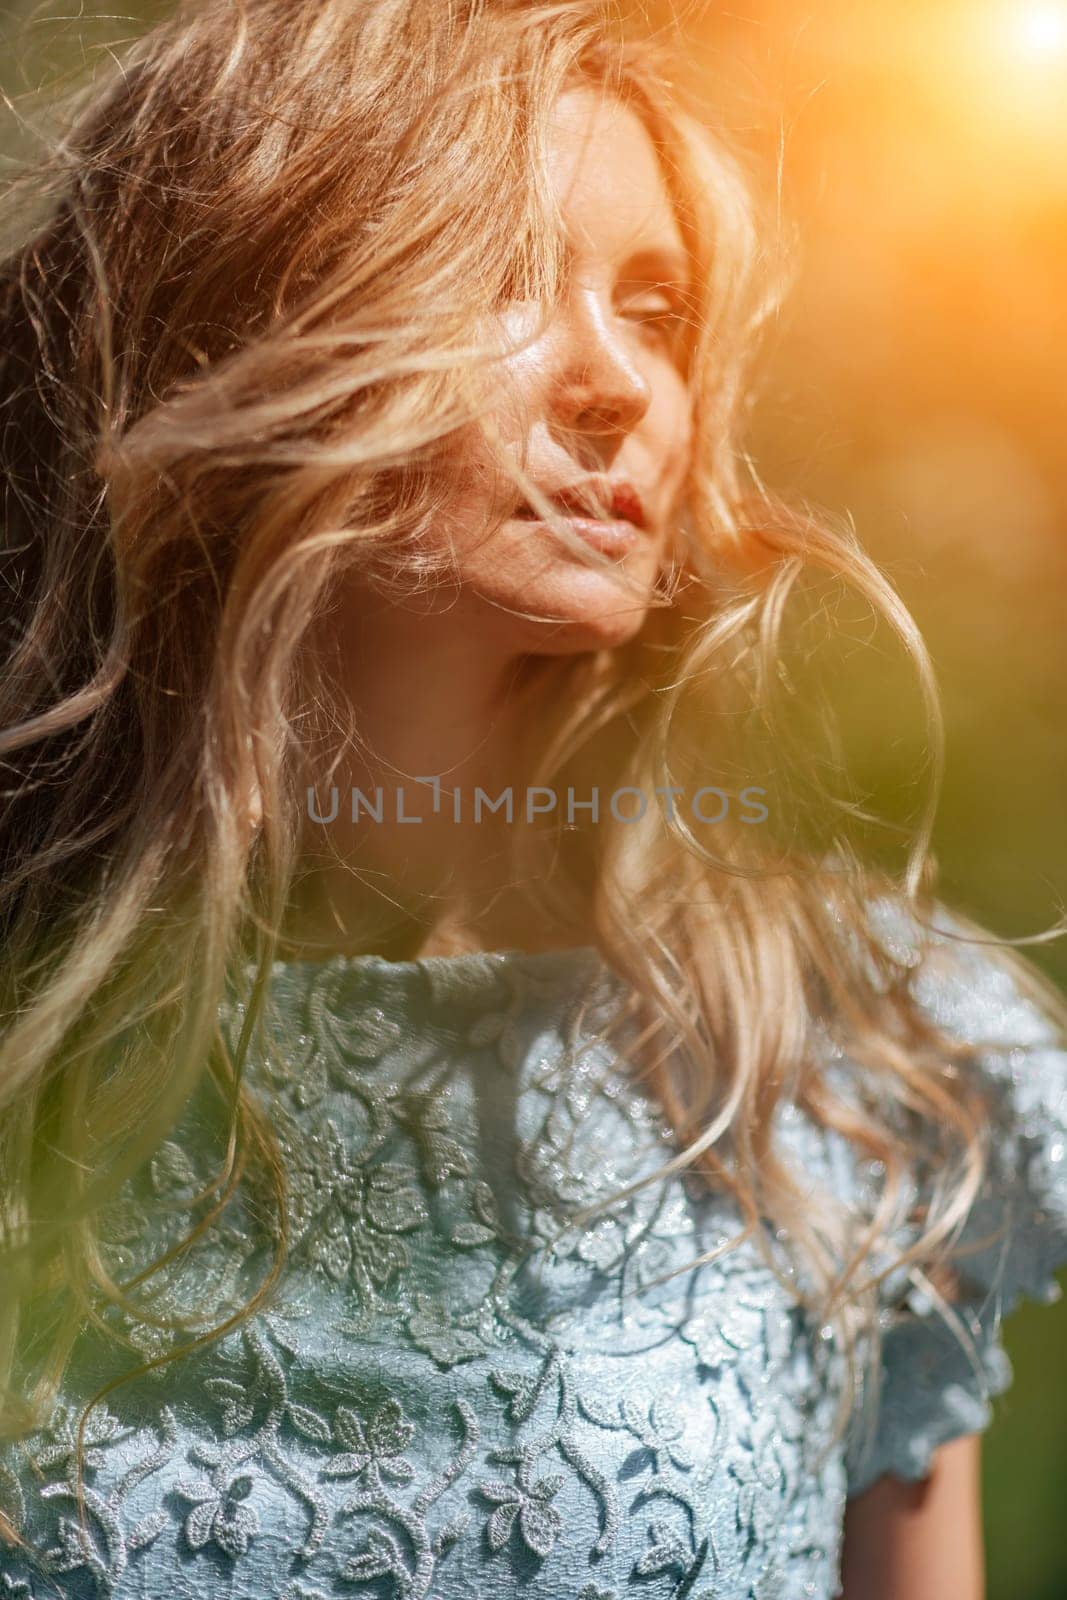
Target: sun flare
{"x": 1042, "y": 30}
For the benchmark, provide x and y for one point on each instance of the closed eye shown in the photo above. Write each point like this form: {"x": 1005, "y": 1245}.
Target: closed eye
{"x": 666, "y": 315}
{"x": 654, "y": 313}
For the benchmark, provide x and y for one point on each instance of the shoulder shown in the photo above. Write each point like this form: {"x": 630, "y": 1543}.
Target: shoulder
{"x": 943, "y": 1362}
{"x": 1012, "y": 1023}
{"x": 974, "y": 985}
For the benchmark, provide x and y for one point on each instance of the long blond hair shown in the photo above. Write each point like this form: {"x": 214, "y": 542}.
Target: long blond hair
{"x": 235, "y": 355}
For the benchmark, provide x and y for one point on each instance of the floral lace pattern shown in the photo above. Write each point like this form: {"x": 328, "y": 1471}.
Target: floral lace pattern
{"x": 457, "y": 1388}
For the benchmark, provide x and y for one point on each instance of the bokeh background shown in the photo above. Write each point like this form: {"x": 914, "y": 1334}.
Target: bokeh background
{"x": 913, "y": 159}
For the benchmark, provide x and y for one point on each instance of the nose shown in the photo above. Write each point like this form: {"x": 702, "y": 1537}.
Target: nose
{"x": 599, "y": 387}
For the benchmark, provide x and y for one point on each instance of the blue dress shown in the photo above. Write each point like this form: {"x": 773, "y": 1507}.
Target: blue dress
{"x": 446, "y": 1397}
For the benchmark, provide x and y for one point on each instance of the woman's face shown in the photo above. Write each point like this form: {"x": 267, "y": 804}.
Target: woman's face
{"x": 601, "y": 392}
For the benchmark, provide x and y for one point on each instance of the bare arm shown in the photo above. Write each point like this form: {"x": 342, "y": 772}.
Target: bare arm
{"x": 919, "y": 1541}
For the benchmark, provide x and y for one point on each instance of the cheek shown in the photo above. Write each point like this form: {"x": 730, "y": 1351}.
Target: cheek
{"x": 479, "y": 492}
{"x": 517, "y": 399}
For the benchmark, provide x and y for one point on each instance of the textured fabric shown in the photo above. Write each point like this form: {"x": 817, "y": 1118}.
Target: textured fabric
{"x": 448, "y": 1397}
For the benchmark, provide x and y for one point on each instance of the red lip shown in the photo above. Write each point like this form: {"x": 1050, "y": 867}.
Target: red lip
{"x": 626, "y": 503}
{"x": 591, "y": 497}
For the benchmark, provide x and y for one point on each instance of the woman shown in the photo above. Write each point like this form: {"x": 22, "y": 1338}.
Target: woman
{"x": 472, "y": 1121}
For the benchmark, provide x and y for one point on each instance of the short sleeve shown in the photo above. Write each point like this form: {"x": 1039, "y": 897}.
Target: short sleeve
{"x": 941, "y": 1367}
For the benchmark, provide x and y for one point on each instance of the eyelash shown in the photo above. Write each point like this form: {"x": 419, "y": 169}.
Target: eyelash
{"x": 671, "y": 318}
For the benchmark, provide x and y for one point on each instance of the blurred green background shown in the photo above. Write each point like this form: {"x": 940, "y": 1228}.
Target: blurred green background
{"x": 914, "y": 383}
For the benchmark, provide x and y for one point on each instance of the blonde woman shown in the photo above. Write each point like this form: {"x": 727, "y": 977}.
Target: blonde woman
{"x": 472, "y": 1121}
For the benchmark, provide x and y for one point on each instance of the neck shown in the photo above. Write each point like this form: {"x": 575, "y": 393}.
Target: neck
{"x": 428, "y": 702}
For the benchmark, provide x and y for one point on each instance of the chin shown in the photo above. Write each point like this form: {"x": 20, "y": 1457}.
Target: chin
{"x": 601, "y": 617}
